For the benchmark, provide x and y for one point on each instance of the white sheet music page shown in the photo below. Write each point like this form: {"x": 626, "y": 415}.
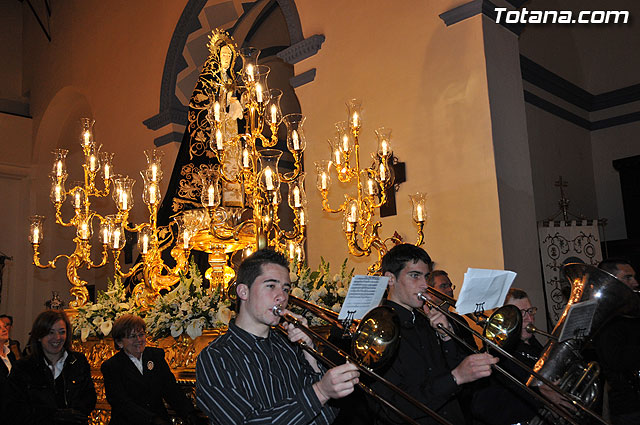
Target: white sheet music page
{"x": 579, "y": 319}
{"x": 365, "y": 293}
{"x": 484, "y": 289}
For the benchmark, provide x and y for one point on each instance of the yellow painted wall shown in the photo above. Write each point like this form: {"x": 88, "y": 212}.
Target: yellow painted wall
{"x": 428, "y": 83}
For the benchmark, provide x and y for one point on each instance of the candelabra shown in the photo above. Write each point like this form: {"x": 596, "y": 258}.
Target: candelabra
{"x": 152, "y": 239}
{"x": 371, "y": 186}
{"x": 247, "y": 161}
{"x": 80, "y": 195}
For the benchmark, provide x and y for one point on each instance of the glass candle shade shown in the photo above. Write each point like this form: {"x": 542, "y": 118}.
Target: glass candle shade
{"x": 86, "y": 133}
{"x": 123, "y": 193}
{"x": 59, "y": 164}
{"x": 323, "y": 178}
{"x": 268, "y": 176}
{"x": 419, "y": 212}
{"x": 151, "y": 192}
{"x": 106, "y": 161}
{"x": 58, "y": 193}
{"x": 274, "y": 113}
{"x": 210, "y": 194}
{"x": 296, "y": 142}
{"x": 354, "y": 106}
{"x": 36, "y": 234}
{"x": 384, "y": 142}
{"x": 78, "y": 196}
{"x": 297, "y": 197}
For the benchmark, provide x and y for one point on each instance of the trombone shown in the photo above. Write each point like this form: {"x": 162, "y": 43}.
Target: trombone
{"x": 374, "y": 342}
{"x": 499, "y": 331}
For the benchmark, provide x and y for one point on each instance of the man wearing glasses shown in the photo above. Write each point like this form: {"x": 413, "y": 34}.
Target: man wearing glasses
{"x": 516, "y": 405}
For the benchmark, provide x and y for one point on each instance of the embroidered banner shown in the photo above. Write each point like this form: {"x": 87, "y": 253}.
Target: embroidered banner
{"x": 563, "y": 242}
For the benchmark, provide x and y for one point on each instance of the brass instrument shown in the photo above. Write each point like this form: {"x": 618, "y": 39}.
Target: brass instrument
{"x": 533, "y": 329}
{"x": 561, "y": 360}
{"x": 498, "y": 331}
{"x": 374, "y": 342}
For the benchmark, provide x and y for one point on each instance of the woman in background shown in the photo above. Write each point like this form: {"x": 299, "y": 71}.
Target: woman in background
{"x": 137, "y": 379}
{"x": 52, "y": 385}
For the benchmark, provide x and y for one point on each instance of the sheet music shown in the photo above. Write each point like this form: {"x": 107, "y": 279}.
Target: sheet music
{"x": 484, "y": 289}
{"x": 365, "y": 293}
{"x": 578, "y": 322}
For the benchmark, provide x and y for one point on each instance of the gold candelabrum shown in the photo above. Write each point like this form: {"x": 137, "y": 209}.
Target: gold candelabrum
{"x": 152, "y": 240}
{"x": 80, "y": 196}
{"x": 371, "y": 187}
{"x": 247, "y": 161}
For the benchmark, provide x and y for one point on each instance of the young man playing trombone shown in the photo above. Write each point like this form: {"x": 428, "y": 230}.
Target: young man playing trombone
{"x": 252, "y": 373}
{"x": 428, "y": 365}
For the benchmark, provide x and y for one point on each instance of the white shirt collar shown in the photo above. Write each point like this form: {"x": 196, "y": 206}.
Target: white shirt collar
{"x": 136, "y": 361}
{"x": 57, "y": 367}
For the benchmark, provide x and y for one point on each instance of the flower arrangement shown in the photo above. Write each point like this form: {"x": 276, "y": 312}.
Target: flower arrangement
{"x": 96, "y": 319}
{"x": 322, "y": 288}
{"x": 188, "y": 308}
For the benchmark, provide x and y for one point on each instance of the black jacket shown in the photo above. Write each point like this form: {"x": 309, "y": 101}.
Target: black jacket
{"x": 421, "y": 367}
{"x": 137, "y": 399}
{"x": 34, "y": 398}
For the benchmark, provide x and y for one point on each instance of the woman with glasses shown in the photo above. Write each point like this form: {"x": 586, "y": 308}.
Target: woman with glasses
{"x": 52, "y": 385}
{"x": 137, "y": 379}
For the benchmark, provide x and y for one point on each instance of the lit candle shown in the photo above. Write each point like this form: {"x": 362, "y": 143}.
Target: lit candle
{"x": 58, "y": 168}
{"x": 292, "y": 250}
{"x": 58, "y": 195}
{"x": 154, "y": 172}
{"x": 338, "y": 156}
{"x": 353, "y": 214}
{"x": 124, "y": 200}
{"x": 345, "y": 143}
{"x": 77, "y": 200}
{"x": 383, "y": 172}
{"x": 419, "y": 213}
{"x": 105, "y": 235}
{"x": 245, "y": 158}
{"x": 268, "y": 177}
{"x": 185, "y": 240}
{"x": 145, "y": 244}
{"x": 216, "y": 111}
{"x": 92, "y": 163}
{"x": 219, "y": 145}
{"x": 303, "y": 219}
{"x": 87, "y": 137}
{"x": 107, "y": 170}
{"x": 36, "y": 235}
{"x": 210, "y": 192}
{"x": 152, "y": 194}
{"x": 295, "y": 140}
{"x": 116, "y": 239}
{"x": 259, "y": 93}
{"x": 385, "y": 148}
{"x": 296, "y": 197}
{"x": 274, "y": 114}
{"x": 84, "y": 231}
{"x": 372, "y": 190}
{"x": 298, "y": 254}
{"x": 323, "y": 181}
{"x": 250, "y": 72}
{"x": 355, "y": 119}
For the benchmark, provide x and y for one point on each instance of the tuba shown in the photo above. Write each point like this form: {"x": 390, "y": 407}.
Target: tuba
{"x": 562, "y": 360}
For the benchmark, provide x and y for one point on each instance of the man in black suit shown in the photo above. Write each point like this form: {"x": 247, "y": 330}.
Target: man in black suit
{"x": 137, "y": 379}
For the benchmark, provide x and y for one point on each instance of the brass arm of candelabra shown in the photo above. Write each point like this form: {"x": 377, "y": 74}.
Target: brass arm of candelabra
{"x": 80, "y": 196}
{"x": 371, "y": 184}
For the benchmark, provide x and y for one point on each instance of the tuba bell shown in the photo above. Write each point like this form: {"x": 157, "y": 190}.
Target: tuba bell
{"x": 562, "y": 360}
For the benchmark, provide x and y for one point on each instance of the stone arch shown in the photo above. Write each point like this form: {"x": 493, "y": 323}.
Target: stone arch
{"x": 191, "y": 25}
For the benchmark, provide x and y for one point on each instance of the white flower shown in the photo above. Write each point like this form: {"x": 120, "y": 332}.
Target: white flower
{"x": 84, "y": 333}
{"x": 336, "y": 307}
{"x": 336, "y": 278}
{"x": 185, "y": 306}
{"x": 313, "y": 296}
{"x": 98, "y": 321}
{"x": 342, "y": 292}
{"x": 95, "y": 307}
{"x": 176, "y": 329}
{"x": 322, "y": 291}
{"x": 105, "y": 327}
{"x": 297, "y": 292}
{"x": 123, "y": 306}
{"x": 194, "y": 328}
{"x": 223, "y": 315}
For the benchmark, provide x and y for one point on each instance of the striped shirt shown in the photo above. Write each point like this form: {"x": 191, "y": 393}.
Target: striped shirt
{"x": 245, "y": 379}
